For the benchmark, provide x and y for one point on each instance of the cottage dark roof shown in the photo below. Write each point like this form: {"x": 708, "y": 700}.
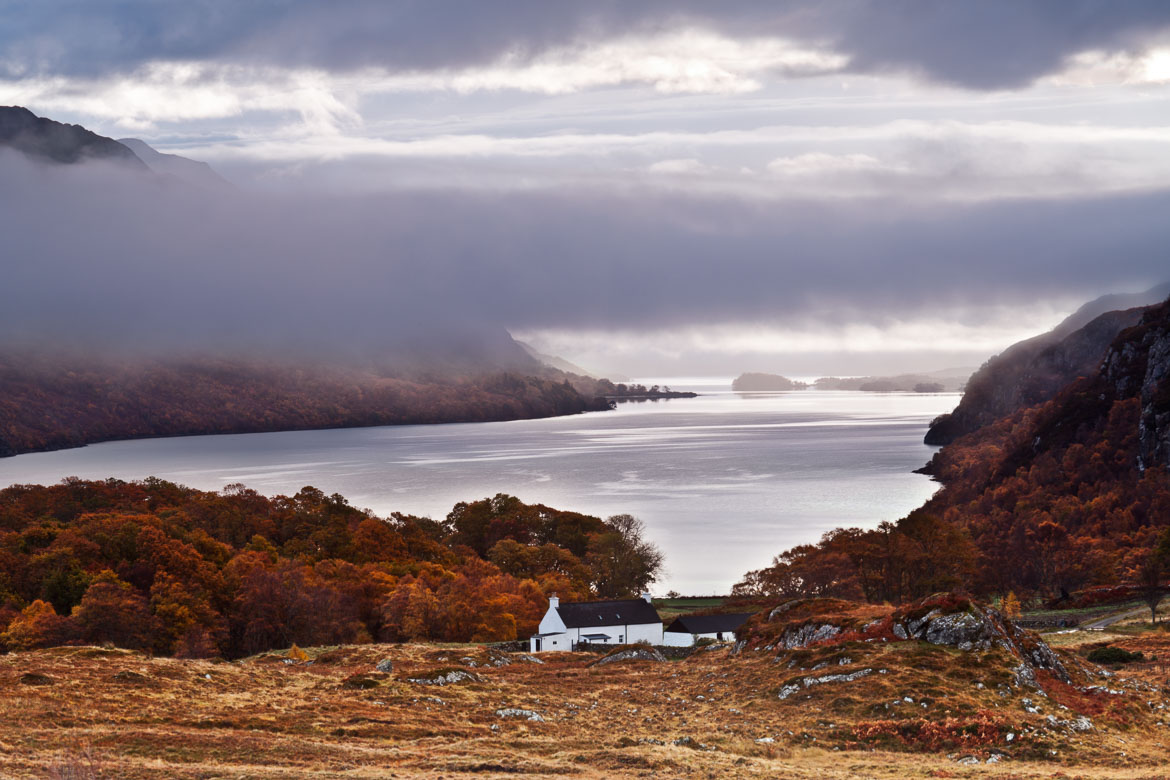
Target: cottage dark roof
{"x": 585, "y": 614}
{"x": 708, "y": 624}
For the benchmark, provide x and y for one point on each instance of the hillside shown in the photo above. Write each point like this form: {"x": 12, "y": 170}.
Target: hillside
{"x": 152, "y": 336}
{"x": 1074, "y": 491}
{"x": 56, "y": 402}
{"x": 1034, "y": 370}
{"x": 790, "y": 703}
{"x": 1065, "y": 494}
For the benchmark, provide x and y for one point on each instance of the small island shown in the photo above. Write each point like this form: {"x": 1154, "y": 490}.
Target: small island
{"x": 946, "y": 381}
{"x": 636, "y": 392}
{"x": 756, "y": 382}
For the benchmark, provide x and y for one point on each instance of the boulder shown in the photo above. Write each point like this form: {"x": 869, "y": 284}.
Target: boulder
{"x": 631, "y": 654}
{"x": 515, "y": 712}
{"x": 446, "y": 677}
{"x": 808, "y": 634}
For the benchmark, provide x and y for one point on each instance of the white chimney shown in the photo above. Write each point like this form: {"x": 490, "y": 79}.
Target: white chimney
{"x": 553, "y": 601}
{"x": 647, "y": 597}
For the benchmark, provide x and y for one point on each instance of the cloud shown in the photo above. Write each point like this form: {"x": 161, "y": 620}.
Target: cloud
{"x": 990, "y": 44}
{"x": 969, "y": 161}
{"x": 99, "y": 255}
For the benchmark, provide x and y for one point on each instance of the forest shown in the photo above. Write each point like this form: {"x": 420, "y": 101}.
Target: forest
{"x": 170, "y": 570}
{"x": 56, "y": 402}
{"x": 1058, "y": 496}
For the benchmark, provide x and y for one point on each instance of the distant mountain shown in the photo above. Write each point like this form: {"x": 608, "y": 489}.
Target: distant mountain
{"x": 947, "y": 380}
{"x": 756, "y": 382}
{"x": 1034, "y": 370}
{"x": 50, "y": 141}
{"x": 191, "y": 171}
{"x": 559, "y": 363}
{"x": 1107, "y": 303}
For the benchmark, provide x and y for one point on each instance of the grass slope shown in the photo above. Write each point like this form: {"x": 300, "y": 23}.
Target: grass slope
{"x": 112, "y": 713}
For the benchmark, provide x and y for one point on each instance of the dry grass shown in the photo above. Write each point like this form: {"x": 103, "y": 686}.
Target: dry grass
{"x": 115, "y": 714}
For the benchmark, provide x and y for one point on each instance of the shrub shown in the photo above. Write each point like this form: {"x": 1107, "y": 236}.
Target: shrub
{"x": 1114, "y": 655}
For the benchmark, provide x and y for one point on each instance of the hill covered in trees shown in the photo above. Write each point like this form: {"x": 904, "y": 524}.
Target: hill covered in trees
{"x": 53, "y": 403}
{"x": 162, "y": 568}
{"x": 1062, "y": 494}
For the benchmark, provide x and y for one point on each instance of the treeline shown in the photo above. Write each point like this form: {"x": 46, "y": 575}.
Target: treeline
{"x": 58, "y": 402}
{"x": 155, "y": 566}
{"x": 1070, "y": 493}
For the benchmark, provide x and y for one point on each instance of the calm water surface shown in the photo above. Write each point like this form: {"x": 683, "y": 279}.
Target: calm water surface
{"x": 724, "y": 481}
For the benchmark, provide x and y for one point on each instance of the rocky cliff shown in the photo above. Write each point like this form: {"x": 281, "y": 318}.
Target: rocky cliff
{"x": 1138, "y": 365}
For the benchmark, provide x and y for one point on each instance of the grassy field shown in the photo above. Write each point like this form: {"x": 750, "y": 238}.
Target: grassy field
{"x": 924, "y": 711}
{"x": 669, "y": 609}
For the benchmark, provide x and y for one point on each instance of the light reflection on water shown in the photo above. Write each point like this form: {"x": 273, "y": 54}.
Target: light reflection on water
{"x": 724, "y": 481}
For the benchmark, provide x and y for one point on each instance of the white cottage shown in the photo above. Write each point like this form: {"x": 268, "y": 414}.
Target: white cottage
{"x": 620, "y": 622}
{"x": 688, "y": 629}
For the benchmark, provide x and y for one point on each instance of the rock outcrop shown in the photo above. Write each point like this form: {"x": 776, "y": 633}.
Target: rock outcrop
{"x": 630, "y": 654}
{"x": 1138, "y": 365}
{"x": 445, "y": 677}
{"x": 967, "y": 625}
{"x": 944, "y": 619}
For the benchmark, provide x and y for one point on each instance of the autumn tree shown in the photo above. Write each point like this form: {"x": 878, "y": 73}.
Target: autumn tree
{"x": 38, "y": 625}
{"x": 623, "y": 561}
{"x": 112, "y": 611}
{"x": 1149, "y": 579}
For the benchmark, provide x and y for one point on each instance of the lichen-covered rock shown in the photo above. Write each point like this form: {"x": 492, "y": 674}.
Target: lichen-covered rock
{"x": 498, "y": 659}
{"x": 808, "y": 634}
{"x": 780, "y": 610}
{"x": 808, "y": 682}
{"x": 630, "y": 654}
{"x": 385, "y": 665}
{"x": 967, "y": 625}
{"x": 515, "y": 712}
{"x": 1079, "y": 725}
{"x": 446, "y": 677}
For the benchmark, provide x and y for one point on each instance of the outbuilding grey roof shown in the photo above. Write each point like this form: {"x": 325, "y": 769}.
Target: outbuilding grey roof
{"x": 586, "y": 614}
{"x": 708, "y": 624}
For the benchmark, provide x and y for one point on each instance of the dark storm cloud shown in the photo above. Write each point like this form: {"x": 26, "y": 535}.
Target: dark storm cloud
{"x": 979, "y": 44}
{"x": 94, "y": 254}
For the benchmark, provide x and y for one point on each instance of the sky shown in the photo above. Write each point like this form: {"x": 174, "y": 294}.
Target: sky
{"x": 646, "y": 188}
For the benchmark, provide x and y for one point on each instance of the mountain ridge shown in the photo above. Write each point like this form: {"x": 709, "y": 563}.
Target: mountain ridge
{"x": 50, "y": 141}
